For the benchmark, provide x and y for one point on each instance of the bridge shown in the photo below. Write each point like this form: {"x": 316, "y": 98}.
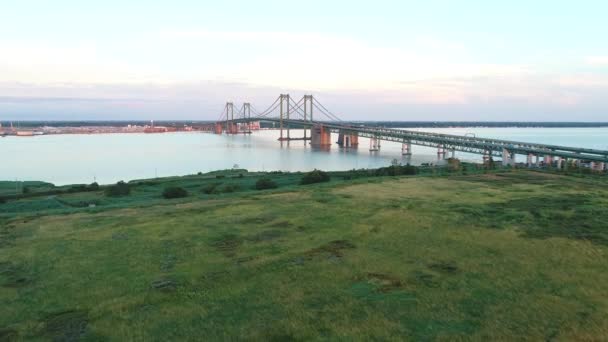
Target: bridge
{"x": 310, "y": 115}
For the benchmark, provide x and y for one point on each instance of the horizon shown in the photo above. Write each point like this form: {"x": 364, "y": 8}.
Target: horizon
{"x": 390, "y": 61}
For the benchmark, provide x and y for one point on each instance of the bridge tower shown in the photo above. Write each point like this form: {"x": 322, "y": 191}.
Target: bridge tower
{"x": 247, "y": 116}
{"x": 229, "y": 116}
{"x": 308, "y": 105}
{"x": 284, "y": 114}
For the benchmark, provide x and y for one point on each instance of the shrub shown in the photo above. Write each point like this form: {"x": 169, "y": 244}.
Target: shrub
{"x": 77, "y": 188}
{"x": 265, "y": 183}
{"x": 174, "y": 192}
{"x": 120, "y": 189}
{"x": 93, "y": 186}
{"x": 2, "y": 200}
{"x": 315, "y": 176}
{"x": 396, "y": 170}
{"x": 230, "y": 188}
{"x": 220, "y": 176}
{"x": 211, "y": 188}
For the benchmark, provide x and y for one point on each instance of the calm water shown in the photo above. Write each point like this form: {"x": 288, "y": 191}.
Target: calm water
{"x": 108, "y": 158}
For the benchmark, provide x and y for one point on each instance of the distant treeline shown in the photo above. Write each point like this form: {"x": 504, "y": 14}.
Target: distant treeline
{"x": 396, "y": 124}
{"x": 31, "y": 124}
{"x": 444, "y": 124}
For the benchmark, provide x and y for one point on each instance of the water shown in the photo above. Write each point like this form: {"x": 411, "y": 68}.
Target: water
{"x": 108, "y": 158}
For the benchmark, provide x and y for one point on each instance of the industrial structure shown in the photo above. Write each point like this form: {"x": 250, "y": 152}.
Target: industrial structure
{"x": 288, "y": 114}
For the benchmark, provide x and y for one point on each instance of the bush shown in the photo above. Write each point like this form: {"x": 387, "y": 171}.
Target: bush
{"x": 120, "y": 189}
{"x": 94, "y": 186}
{"x": 211, "y": 188}
{"x": 265, "y": 183}
{"x": 230, "y": 188}
{"x": 2, "y": 200}
{"x": 315, "y": 176}
{"x": 77, "y": 188}
{"x": 396, "y": 170}
{"x": 174, "y": 192}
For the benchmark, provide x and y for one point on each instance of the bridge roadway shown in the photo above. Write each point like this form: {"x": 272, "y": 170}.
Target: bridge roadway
{"x": 478, "y": 145}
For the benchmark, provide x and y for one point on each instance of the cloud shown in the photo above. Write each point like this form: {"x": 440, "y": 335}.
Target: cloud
{"x": 192, "y": 73}
{"x": 597, "y": 60}
{"x": 304, "y": 60}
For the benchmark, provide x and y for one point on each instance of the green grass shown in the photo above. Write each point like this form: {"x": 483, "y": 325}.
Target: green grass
{"x": 500, "y": 256}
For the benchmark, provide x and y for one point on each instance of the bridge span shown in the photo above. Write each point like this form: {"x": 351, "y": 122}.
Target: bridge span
{"x": 288, "y": 114}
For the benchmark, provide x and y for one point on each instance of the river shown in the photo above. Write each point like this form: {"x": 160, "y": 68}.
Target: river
{"x": 108, "y": 158}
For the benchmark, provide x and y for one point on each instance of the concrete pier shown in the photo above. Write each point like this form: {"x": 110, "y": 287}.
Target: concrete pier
{"x": 508, "y": 158}
{"x": 406, "y": 148}
{"x": 441, "y": 152}
{"x": 346, "y": 139}
{"x": 320, "y": 136}
{"x": 374, "y": 144}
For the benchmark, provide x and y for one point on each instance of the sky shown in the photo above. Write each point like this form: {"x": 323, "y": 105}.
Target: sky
{"x": 364, "y": 60}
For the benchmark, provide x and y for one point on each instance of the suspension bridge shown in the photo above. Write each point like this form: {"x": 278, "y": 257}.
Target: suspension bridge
{"x": 318, "y": 123}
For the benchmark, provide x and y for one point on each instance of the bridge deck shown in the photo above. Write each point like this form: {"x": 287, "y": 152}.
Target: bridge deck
{"x": 469, "y": 144}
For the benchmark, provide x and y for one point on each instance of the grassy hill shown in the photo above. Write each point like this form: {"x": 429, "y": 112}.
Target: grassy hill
{"x": 496, "y": 256}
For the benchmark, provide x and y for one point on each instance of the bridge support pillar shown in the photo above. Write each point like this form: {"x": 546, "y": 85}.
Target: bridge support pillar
{"x": 406, "y": 148}
{"x": 529, "y": 160}
{"x": 441, "y": 152}
{"x": 347, "y": 139}
{"x": 548, "y": 161}
{"x": 374, "y": 144}
{"x": 598, "y": 166}
{"x": 486, "y": 158}
{"x": 217, "y": 128}
{"x": 508, "y": 158}
{"x": 320, "y": 136}
{"x": 453, "y": 152}
{"x": 537, "y": 161}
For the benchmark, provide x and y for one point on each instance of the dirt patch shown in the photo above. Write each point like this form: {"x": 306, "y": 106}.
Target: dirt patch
{"x": 227, "y": 244}
{"x": 332, "y": 250}
{"x": 281, "y": 224}
{"x": 444, "y": 267}
{"x": 120, "y": 236}
{"x": 423, "y": 278}
{"x": 215, "y": 275}
{"x": 384, "y": 282}
{"x": 261, "y": 219}
{"x": 13, "y": 275}
{"x": 8, "y": 335}
{"x": 243, "y": 260}
{"x": 66, "y": 326}
{"x": 164, "y": 285}
{"x": 168, "y": 262}
{"x": 267, "y": 235}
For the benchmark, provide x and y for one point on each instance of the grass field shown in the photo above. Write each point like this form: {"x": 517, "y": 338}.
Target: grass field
{"x": 514, "y": 255}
